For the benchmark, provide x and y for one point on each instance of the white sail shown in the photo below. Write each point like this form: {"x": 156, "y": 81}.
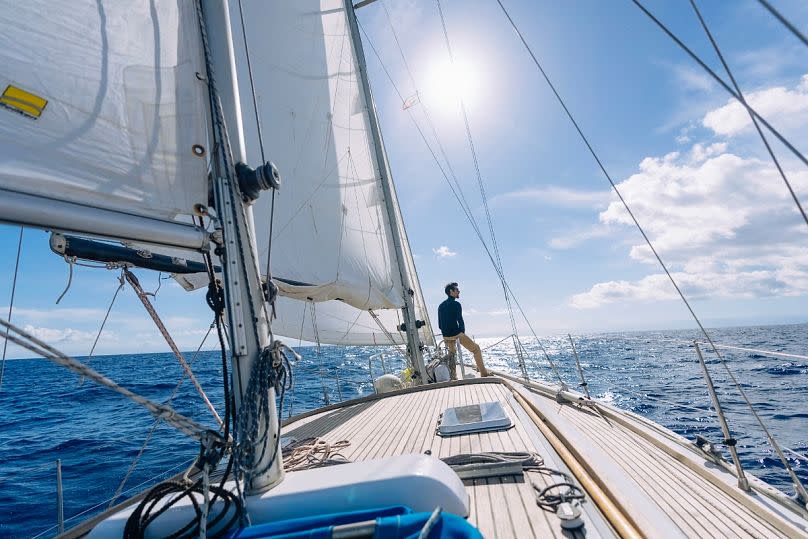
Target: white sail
{"x": 331, "y": 240}
{"x": 102, "y": 105}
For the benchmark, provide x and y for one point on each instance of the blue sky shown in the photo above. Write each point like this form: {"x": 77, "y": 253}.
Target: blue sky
{"x": 686, "y": 159}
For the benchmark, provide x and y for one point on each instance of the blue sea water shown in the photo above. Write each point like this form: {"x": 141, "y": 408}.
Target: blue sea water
{"x": 48, "y": 413}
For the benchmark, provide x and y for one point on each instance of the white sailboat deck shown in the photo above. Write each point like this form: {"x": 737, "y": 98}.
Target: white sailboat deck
{"x": 663, "y": 491}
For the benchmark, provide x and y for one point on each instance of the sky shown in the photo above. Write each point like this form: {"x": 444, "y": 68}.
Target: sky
{"x": 683, "y": 154}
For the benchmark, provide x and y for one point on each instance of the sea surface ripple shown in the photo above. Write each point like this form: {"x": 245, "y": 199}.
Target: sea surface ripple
{"x": 48, "y": 413}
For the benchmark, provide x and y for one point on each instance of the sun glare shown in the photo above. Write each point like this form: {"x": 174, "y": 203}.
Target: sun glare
{"x": 448, "y": 83}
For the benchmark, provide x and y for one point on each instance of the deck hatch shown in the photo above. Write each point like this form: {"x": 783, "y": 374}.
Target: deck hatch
{"x": 486, "y": 416}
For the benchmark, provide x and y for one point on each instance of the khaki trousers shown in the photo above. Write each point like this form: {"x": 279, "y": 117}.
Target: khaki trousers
{"x": 469, "y": 345}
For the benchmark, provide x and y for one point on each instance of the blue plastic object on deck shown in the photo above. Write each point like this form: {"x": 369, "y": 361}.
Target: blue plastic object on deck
{"x": 391, "y": 522}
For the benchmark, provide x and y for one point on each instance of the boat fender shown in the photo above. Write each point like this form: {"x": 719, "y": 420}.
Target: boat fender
{"x": 386, "y": 383}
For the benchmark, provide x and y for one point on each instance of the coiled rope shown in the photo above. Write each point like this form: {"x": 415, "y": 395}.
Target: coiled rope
{"x": 313, "y": 453}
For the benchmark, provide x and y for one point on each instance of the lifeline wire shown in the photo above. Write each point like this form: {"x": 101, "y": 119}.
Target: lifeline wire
{"x": 11, "y": 305}
{"x": 800, "y": 489}
{"x": 742, "y": 99}
{"x": 460, "y": 197}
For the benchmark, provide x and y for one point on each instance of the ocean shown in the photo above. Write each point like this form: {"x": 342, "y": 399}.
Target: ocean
{"x": 48, "y": 413}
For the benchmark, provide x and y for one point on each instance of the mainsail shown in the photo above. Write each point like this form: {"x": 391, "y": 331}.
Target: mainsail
{"x": 305, "y": 109}
{"x": 104, "y": 108}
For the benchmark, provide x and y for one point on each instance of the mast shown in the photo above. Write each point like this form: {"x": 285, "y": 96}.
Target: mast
{"x": 247, "y": 317}
{"x": 414, "y": 346}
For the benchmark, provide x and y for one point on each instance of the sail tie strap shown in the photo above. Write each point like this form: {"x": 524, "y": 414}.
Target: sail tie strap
{"x": 166, "y": 413}
{"x": 159, "y": 323}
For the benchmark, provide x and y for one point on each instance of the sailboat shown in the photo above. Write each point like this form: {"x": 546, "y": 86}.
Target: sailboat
{"x": 236, "y": 146}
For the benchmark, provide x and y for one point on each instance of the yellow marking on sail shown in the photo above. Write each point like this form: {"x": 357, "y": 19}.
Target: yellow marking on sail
{"x": 26, "y": 103}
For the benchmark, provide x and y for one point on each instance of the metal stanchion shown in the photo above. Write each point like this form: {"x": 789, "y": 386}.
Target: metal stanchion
{"x": 729, "y": 441}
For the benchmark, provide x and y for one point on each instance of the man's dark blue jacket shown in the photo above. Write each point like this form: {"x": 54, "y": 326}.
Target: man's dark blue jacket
{"x": 450, "y": 318}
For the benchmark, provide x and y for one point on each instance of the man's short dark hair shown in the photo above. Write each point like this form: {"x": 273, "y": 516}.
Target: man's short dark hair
{"x": 449, "y": 287}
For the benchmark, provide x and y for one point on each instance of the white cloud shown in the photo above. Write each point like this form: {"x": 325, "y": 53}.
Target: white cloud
{"x": 57, "y": 336}
{"x": 724, "y": 223}
{"x": 782, "y": 107}
{"x": 573, "y": 239}
{"x": 699, "y": 152}
{"x": 443, "y": 252}
{"x": 557, "y": 196}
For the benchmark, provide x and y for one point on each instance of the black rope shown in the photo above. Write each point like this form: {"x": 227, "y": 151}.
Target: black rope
{"x": 272, "y": 368}
{"x": 742, "y": 99}
{"x": 785, "y": 21}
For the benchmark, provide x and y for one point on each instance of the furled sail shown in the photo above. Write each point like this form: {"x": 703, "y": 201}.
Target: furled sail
{"x": 302, "y": 97}
{"x": 102, "y": 107}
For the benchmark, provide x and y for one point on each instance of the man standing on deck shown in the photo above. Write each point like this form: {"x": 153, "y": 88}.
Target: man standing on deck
{"x": 450, "y": 320}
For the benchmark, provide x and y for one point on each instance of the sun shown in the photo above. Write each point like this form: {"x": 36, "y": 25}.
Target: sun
{"x": 447, "y": 83}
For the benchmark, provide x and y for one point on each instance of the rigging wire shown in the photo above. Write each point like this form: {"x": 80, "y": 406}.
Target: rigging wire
{"x": 104, "y": 322}
{"x": 785, "y": 21}
{"x": 718, "y": 79}
{"x": 11, "y": 305}
{"x": 484, "y": 197}
{"x": 457, "y": 192}
{"x": 800, "y": 489}
{"x": 742, "y": 99}
{"x": 261, "y": 144}
{"x": 121, "y": 283}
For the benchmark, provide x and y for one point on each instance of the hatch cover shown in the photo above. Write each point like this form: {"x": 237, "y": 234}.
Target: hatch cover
{"x": 485, "y": 416}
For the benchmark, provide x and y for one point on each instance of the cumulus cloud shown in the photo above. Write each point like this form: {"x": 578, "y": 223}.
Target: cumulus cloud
{"x": 724, "y": 223}
{"x": 779, "y": 105}
{"x": 443, "y": 252}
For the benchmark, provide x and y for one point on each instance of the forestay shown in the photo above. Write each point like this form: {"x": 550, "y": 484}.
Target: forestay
{"x": 331, "y": 241}
{"x": 103, "y": 105}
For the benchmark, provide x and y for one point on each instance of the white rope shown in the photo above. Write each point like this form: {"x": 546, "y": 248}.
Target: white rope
{"x": 723, "y": 346}
{"x": 166, "y": 413}
{"x": 759, "y": 351}
{"x": 313, "y": 453}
